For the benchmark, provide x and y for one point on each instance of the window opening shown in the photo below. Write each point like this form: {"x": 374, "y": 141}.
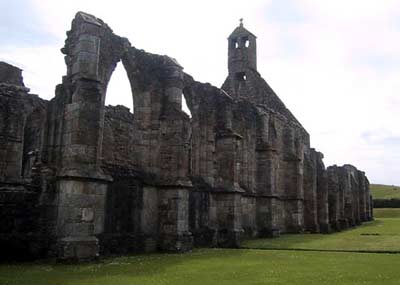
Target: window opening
{"x": 185, "y": 107}
{"x": 119, "y": 89}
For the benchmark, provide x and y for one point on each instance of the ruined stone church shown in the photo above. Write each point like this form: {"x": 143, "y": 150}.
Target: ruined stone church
{"x": 79, "y": 179}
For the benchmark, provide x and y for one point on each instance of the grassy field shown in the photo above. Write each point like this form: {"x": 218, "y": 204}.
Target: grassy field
{"x": 385, "y": 191}
{"x": 242, "y": 266}
{"x": 387, "y": 213}
{"x": 216, "y": 266}
{"x": 382, "y": 234}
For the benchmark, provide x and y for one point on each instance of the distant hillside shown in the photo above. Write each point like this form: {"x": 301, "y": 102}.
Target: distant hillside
{"x": 385, "y": 191}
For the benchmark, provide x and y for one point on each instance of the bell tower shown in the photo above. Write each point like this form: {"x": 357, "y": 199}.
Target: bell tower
{"x": 242, "y": 52}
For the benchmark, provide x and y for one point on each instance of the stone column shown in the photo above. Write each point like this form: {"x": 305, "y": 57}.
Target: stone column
{"x": 369, "y": 202}
{"x": 371, "y": 217}
{"x": 174, "y": 164}
{"x": 227, "y": 168}
{"x": 356, "y": 203}
{"x": 322, "y": 196}
{"x": 267, "y": 165}
{"x": 333, "y": 197}
{"x": 362, "y": 196}
{"x": 310, "y": 192}
{"x": 81, "y": 184}
{"x": 80, "y": 217}
{"x": 12, "y": 123}
{"x": 266, "y": 190}
{"x": 174, "y": 219}
{"x": 227, "y": 197}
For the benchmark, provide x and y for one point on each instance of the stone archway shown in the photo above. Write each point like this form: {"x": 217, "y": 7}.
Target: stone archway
{"x": 161, "y": 128}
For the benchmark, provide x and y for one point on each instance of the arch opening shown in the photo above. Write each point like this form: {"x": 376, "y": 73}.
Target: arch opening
{"x": 119, "y": 89}
{"x": 185, "y": 107}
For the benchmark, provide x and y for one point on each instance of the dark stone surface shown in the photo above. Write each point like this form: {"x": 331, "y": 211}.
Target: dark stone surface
{"x": 387, "y": 203}
{"x": 10, "y": 74}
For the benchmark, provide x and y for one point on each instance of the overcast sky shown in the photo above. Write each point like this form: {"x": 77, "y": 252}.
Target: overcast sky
{"x": 334, "y": 63}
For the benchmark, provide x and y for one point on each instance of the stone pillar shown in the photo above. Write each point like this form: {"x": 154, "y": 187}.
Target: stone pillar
{"x": 174, "y": 219}
{"x": 362, "y": 197}
{"x": 80, "y": 217}
{"x": 356, "y": 203}
{"x": 333, "y": 197}
{"x": 266, "y": 190}
{"x": 344, "y": 223}
{"x": 322, "y": 196}
{"x": 228, "y": 196}
{"x": 292, "y": 177}
{"x": 369, "y": 202}
{"x": 310, "y": 192}
{"x": 348, "y": 199}
{"x": 323, "y": 211}
{"x": 225, "y": 218}
{"x": 294, "y": 205}
{"x": 267, "y": 158}
{"x": 81, "y": 184}
{"x": 12, "y": 123}
{"x": 174, "y": 163}
{"x": 227, "y": 166}
{"x": 371, "y": 217}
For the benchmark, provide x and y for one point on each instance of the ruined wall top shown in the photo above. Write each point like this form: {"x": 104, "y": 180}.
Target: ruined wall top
{"x": 91, "y": 49}
{"x": 10, "y": 74}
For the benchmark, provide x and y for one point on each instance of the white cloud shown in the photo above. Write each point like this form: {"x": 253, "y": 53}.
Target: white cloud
{"x": 42, "y": 67}
{"x": 334, "y": 86}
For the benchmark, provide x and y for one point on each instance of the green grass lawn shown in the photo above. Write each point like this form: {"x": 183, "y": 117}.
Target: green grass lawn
{"x": 384, "y": 191}
{"x": 387, "y": 213}
{"x": 382, "y": 234}
{"x": 216, "y": 266}
{"x": 242, "y": 266}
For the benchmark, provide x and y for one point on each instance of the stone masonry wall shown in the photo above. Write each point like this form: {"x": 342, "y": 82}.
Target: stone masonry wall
{"x": 79, "y": 179}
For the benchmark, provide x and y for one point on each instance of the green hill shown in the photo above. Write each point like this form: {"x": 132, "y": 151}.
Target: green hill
{"x": 385, "y": 191}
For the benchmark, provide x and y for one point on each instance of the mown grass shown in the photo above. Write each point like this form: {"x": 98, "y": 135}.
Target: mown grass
{"x": 382, "y": 234}
{"x": 241, "y": 266}
{"x": 384, "y": 191}
{"x": 216, "y": 266}
{"x": 387, "y": 213}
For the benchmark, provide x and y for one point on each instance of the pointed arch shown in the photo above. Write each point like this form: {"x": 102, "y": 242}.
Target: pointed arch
{"x": 119, "y": 89}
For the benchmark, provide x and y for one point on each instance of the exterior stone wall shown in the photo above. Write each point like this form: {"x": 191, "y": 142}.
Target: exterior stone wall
{"x": 96, "y": 180}
{"x": 22, "y": 128}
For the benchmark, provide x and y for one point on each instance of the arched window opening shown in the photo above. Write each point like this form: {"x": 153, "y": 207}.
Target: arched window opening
{"x": 119, "y": 89}
{"x": 234, "y": 43}
{"x": 185, "y": 107}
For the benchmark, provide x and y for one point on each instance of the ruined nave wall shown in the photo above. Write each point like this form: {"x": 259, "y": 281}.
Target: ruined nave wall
{"x": 103, "y": 178}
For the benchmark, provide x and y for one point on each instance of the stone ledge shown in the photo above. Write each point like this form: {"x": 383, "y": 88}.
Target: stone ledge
{"x": 72, "y": 174}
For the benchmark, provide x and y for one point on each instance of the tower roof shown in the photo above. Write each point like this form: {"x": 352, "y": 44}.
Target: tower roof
{"x": 240, "y": 31}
